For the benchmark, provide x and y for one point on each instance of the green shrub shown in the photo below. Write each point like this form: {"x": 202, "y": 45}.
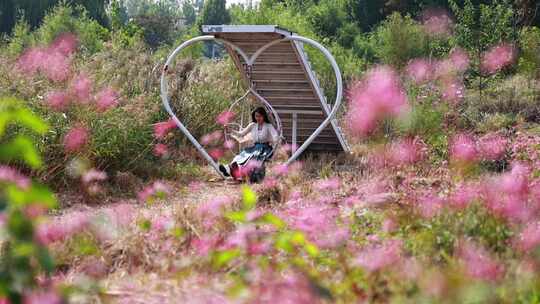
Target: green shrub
{"x": 65, "y": 19}
{"x": 529, "y": 61}
{"x": 399, "y": 39}
{"x": 21, "y": 38}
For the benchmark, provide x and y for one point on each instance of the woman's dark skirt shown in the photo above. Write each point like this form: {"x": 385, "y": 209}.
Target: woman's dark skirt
{"x": 260, "y": 152}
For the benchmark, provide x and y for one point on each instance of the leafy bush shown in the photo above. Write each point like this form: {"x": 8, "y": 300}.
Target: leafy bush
{"x": 65, "y": 19}
{"x": 399, "y": 39}
{"x": 23, "y": 258}
{"x": 529, "y": 61}
{"x": 20, "y": 38}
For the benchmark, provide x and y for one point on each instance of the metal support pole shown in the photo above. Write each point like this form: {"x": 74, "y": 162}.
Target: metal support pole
{"x": 294, "y": 132}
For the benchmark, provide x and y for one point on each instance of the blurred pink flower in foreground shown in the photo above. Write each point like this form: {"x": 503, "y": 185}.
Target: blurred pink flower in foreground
{"x": 379, "y": 95}
{"x": 205, "y": 244}
{"x": 59, "y": 229}
{"x": 430, "y": 205}
{"x": 463, "y": 195}
{"x": 42, "y": 297}
{"x": 437, "y": 22}
{"x": 529, "y": 238}
{"x": 162, "y": 128}
{"x": 492, "y": 146}
{"x": 81, "y": 87}
{"x": 57, "y": 100}
{"x": 212, "y": 138}
{"x": 93, "y": 175}
{"x": 225, "y": 117}
{"x": 280, "y": 169}
{"x": 420, "y": 70}
{"x": 404, "y": 152}
{"x": 10, "y": 175}
{"x": 161, "y": 150}
{"x": 75, "y": 139}
{"x": 106, "y": 99}
{"x": 212, "y": 210}
{"x": 389, "y": 225}
{"x": 288, "y": 288}
{"x": 380, "y": 256}
{"x": 498, "y": 57}
{"x": 229, "y": 144}
{"x": 478, "y": 263}
{"x": 463, "y": 148}
{"x": 155, "y": 190}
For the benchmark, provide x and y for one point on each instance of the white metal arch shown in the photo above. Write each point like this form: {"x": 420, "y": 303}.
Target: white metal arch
{"x": 250, "y": 61}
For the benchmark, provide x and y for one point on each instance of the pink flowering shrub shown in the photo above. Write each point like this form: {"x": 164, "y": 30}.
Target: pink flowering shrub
{"x": 377, "y": 96}
{"x": 498, "y": 57}
{"x": 75, "y": 139}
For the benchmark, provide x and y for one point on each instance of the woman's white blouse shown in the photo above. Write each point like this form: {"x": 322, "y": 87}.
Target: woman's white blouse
{"x": 266, "y": 134}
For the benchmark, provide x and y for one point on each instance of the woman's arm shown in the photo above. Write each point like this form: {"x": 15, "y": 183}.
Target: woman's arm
{"x": 244, "y": 131}
{"x": 274, "y": 134}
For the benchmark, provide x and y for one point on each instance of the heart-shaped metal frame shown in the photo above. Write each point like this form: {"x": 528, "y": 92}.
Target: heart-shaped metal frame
{"x": 250, "y": 62}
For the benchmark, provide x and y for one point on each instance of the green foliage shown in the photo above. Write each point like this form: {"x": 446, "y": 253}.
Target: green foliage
{"x": 20, "y": 38}
{"x": 214, "y": 12}
{"x": 22, "y": 257}
{"x": 327, "y": 18}
{"x": 189, "y": 14}
{"x": 399, "y": 39}
{"x": 529, "y": 41}
{"x": 481, "y": 26}
{"x": 65, "y": 19}
{"x": 33, "y": 12}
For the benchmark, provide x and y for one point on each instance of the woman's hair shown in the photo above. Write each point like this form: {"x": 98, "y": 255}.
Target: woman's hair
{"x": 261, "y": 111}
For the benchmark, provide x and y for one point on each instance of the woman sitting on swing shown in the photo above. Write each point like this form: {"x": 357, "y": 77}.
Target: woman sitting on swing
{"x": 264, "y": 137}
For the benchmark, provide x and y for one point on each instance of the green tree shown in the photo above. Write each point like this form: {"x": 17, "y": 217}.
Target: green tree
{"x": 215, "y": 12}
{"x": 188, "y": 12}
{"x": 34, "y": 11}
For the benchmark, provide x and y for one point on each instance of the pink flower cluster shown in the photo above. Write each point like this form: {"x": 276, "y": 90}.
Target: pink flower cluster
{"x": 106, "y": 99}
{"x": 330, "y": 184}
{"x": 529, "y": 238}
{"x": 510, "y": 195}
{"x": 62, "y": 228}
{"x": 478, "y": 263}
{"x": 155, "y": 190}
{"x": 377, "y": 257}
{"x": 318, "y": 221}
{"x": 10, "y": 175}
{"x": 225, "y": 118}
{"x": 161, "y": 129}
{"x": 212, "y": 210}
{"x": 498, "y": 57}
{"x": 437, "y": 22}
{"x": 466, "y": 148}
{"x": 53, "y": 62}
{"x": 378, "y": 96}
{"x": 42, "y": 297}
{"x": 75, "y": 139}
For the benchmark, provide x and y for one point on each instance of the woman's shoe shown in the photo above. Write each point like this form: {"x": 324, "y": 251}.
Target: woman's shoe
{"x": 223, "y": 170}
